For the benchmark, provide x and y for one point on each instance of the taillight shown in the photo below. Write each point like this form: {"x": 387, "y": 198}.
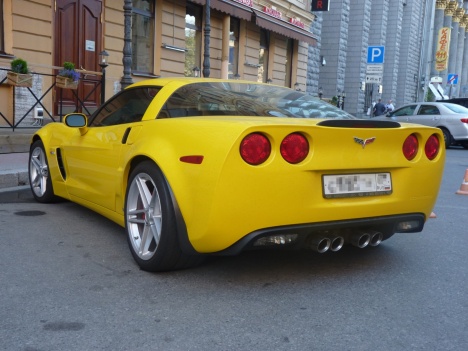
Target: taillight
{"x": 464, "y": 120}
{"x": 432, "y": 147}
{"x": 294, "y": 148}
{"x": 410, "y": 147}
{"x": 255, "y": 148}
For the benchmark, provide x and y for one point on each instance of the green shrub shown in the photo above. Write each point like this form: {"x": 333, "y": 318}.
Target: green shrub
{"x": 19, "y": 65}
{"x": 69, "y": 66}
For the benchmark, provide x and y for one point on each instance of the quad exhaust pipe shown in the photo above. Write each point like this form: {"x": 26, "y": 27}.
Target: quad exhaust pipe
{"x": 359, "y": 239}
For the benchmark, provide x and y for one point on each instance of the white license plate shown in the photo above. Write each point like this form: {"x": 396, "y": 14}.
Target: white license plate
{"x": 354, "y": 185}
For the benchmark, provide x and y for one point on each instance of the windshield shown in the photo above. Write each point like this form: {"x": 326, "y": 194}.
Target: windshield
{"x": 247, "y": 99}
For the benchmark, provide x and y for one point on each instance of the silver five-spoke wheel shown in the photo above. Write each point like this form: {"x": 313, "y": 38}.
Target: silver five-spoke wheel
{"x": 144, "y": 216}
{"x": 150, "y": 221}
{"x": 39, "y": 178}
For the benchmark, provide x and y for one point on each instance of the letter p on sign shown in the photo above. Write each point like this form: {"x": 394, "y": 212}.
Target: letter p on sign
{"x": 375, "y": 54}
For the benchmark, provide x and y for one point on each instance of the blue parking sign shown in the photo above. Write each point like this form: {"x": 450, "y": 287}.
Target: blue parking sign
{"x": 375, "y": 54}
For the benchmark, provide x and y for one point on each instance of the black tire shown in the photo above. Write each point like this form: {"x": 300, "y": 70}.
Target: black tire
{"x": 39, "y": 178}
{"x": 149, "y": 213}
{"x": 447, "y": 137}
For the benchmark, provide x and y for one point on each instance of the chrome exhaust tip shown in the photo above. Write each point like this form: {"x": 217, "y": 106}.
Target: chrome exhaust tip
{"x": 375, "y": 238}
{"x": 360, "y": 239}
{"x": 320, "y": 245}
{"x": 336, "y": 243}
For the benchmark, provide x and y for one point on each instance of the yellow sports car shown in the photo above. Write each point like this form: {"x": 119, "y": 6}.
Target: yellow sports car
{"x": 194, "y": 166}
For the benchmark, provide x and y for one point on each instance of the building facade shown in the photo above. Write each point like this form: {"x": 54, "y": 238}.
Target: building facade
{"x": 408, "y": 31}
{"x": 347, "y": 32}
{"x": 324, "y": 53}
{"x": 254, "y": 40}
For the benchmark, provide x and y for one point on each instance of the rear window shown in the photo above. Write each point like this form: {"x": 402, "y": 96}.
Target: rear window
{"x": 247, "y": 99}
{"x": 456, "y": 108}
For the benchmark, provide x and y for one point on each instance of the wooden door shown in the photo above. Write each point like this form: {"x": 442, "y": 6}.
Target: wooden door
{"x": 78, "y": 36}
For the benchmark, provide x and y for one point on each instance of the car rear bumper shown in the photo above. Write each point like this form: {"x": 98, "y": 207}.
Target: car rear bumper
{"x": 306, "y": 235}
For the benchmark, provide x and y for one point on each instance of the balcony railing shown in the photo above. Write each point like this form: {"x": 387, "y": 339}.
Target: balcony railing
{"x": 31, "y": 107}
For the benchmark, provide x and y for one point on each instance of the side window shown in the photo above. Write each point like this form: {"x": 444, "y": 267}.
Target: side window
{"x": 405, "y": 111}
{"x": 127, "y": 107}
{"x": 182, "y": 103}
{"x": 428, "y": 110}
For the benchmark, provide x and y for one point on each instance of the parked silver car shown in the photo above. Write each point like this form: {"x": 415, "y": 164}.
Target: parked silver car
{"x": 452, "y": 119}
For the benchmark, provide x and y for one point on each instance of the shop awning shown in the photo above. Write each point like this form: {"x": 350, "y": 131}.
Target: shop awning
{"x": 199, "y": 2}
{"x": 233, "y": 8}
{"x": 284, "y": 28}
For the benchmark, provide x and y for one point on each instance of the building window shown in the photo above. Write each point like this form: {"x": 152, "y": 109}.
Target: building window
{"x": 2, "y": 30}
{"x": 263, "y": 56}
{"x": 193, "y": 38}
{"x": 289, "y": 60}
{"x": 233, "y": 47}
{"x": 143, "y": 36}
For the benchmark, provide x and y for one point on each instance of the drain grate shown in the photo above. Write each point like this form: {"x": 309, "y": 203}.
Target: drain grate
{"x": 30, "y": 213}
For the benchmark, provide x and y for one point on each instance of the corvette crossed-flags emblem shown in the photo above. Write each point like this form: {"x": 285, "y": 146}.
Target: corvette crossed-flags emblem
{"x": 364, "y": 142}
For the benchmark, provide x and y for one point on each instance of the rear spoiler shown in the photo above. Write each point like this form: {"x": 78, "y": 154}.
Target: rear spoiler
{"x": 358, "y": 123}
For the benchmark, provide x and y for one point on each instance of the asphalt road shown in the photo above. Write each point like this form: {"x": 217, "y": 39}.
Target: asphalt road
{"x": 68, "y": 282}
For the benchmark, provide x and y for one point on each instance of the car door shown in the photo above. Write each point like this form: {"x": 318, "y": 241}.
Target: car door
{"x": 94, "y": 159}
{"x": 426, "y": 114}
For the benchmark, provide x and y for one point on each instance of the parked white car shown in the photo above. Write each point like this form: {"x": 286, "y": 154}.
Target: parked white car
{"x": 452, "y": 119}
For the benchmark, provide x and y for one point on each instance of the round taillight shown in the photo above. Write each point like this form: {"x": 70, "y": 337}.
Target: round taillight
{"x": 294, "y": 148}
{"x": 255, "y": 148}
{"x": 410, "y": 147}
{"x": 432, "y": 147}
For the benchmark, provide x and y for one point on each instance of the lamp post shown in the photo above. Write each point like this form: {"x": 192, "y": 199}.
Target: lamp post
{"x": 103, "y": 63}
{"x": 206, "y": 54}
{"x": 341, "y": 99}
{"x": 196, "y": 72}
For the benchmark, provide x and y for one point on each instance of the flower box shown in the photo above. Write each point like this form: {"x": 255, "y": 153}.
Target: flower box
{"x": 65, "y": 82}
{"x": 20, "y": 79}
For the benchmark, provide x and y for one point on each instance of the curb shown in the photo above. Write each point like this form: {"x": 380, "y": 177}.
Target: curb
{"x": 13, "y": 179}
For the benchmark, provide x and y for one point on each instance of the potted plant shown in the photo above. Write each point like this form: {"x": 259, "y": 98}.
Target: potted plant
{"x": 67, "y": 78}
{"x": 19, "y": 75}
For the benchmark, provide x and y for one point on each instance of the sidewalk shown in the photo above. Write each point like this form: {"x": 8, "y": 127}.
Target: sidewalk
{"x": 14, "y": 148}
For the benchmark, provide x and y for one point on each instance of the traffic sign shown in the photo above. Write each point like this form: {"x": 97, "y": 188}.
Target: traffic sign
{"x": 452, "y": 78}
{"x": 375, "y": 54}
{"x": 373, "y": 79}
{"x": 374, "y": 69}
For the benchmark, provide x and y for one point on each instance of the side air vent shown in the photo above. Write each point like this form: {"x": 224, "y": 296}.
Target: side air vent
{"x": 60, "y": 164}
{"x": 358, "y": 123}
